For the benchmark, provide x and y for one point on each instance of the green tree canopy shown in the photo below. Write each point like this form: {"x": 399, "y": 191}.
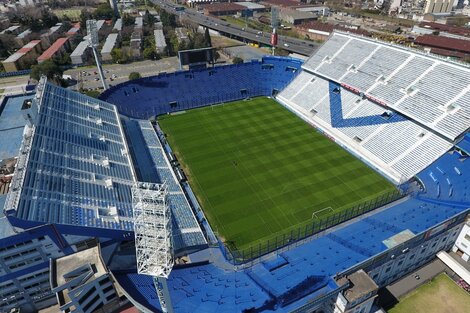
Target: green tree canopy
{"x": 237, "y": 60}
{"x": 134, "y": 75}
{"x": 48, "y": 68}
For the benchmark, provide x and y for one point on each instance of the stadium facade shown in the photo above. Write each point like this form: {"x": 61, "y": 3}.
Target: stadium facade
{"x": 403, "y": 112}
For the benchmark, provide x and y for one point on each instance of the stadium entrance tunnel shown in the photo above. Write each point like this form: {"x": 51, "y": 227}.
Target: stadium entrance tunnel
{"x": 170, "y": 92}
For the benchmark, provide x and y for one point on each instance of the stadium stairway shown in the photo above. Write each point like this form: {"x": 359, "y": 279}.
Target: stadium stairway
{"x": 447, "y": 180}
{"x": 277, "y": 284}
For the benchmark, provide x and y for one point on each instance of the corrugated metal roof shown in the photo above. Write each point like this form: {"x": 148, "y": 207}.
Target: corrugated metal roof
{"x": 24, "y": 34}
{"x": 444, "y": 43}
{"x": 109, "y": 43}
{"x": 159, "y": 38}
{"x": 52, "y": 49}
{"x": 22, "y": 51}
{"x": 80, "y": 49}
{"x": 118, "y": 24}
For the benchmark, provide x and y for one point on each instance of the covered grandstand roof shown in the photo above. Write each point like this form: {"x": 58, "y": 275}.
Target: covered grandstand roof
{"x": 75, "y": 167}
{"x": 429, "y": 89}
{"x": 77, "y": 161}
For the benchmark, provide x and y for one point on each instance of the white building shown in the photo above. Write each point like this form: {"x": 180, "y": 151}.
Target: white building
{"x": 108, "y": 46}
{"x": 462, "y": 244}
{"x": 438, "y": 6}
{"x": 81, "y": 53}
{"x": 160, "y": 42}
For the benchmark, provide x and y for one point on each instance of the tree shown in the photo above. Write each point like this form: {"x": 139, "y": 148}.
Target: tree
{"x": 167, "y": 19}
{"x": 207, "y": 38}
{"x": 48, "y": 68}
{"x": 127, "y": 20}
{"x": 84, "y": 16}
{"x": 120, "y": 56}
{"x": 237, "y": 60}
{"x": 151, "y": 54}
{"x": 104, "y": 11}
{"x": 134, "y": 75}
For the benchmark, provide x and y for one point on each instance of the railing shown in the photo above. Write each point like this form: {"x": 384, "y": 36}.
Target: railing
{"x": 305, "y": 230}
{"x": 17, "y": 73}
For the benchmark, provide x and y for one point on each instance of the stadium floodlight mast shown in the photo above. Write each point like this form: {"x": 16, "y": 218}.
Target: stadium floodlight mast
{"x": 274, "y": 25}
{"x": 93, "y": 42}
{"x": 153, "y": 236}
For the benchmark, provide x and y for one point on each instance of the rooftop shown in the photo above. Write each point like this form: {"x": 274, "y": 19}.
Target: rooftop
{"x": 118, "y": 24}
{"x": 222, "y": 7}
{"x": 11, "y": 126}
{"x": 251, "y": 5}
{"x": 361, "y": 285}
{"x": 56, "y": 46}
{"x": 22, "y": 51}
{"x": 445, "y": 43}
{"x": 80, "y": 49}
{"x": 24, "y": 34}
{"x": 94, "y": 161}
{"x": 463, "y": 31}
{"x": 88, "y": 259}
{"x": 109, "y": 43}
{"x": 328, "y": 28}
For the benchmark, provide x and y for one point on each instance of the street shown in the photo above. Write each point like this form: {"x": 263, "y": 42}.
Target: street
{"x": 304, "y": 47}
{"x": 88, "y": 78}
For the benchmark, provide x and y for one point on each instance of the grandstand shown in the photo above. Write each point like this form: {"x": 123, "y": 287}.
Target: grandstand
{"x": 75, "y": 168}
{"x": 185, "y": 90}
{"x": 79, "y": 159}
{"x": 382, "y": 102}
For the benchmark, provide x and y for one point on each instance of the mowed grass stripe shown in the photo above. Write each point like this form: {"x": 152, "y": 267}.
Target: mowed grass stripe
{"x": 258, "y": 170}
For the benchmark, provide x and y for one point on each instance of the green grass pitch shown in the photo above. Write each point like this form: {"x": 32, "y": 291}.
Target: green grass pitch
{"x": 258, "y": 169}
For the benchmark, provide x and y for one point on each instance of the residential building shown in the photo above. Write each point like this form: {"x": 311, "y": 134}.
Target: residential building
{"x": 108, "y": 46}
{"x": 57, "y": 49}
{"x": 24, "y": 57}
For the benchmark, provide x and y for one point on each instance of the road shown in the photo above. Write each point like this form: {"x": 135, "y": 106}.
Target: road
{"x": 119, "y": 73}
{"x": 299, "y": 46}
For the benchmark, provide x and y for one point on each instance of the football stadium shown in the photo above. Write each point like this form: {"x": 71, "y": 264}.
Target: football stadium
{"x": 274, "y": 185}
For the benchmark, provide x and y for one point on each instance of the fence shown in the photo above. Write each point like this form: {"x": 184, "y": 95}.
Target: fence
{"x": 17, "y": 73}
{"x": 236, "y": 256}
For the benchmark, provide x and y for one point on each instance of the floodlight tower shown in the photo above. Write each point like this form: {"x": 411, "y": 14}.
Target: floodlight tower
{"x": 153, "y": 237}
{"x": 93, "y": 42}
{"x": 274, "y": 25}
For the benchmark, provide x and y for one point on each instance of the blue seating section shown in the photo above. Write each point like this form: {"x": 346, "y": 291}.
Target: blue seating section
{"x": 147, "y": 153}
{"x": 303, "y": 272}
{"x": 152, "y": 96}
{"x": 447, "y": 179}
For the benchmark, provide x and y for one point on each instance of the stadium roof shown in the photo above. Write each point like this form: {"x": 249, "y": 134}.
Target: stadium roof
{"x": 78, "y": 170}
{"x": 429, "y": 89}
{"x": 80, "y": 49}
{"x": 109, "y": 43}
{"x": 52, "y": 50}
